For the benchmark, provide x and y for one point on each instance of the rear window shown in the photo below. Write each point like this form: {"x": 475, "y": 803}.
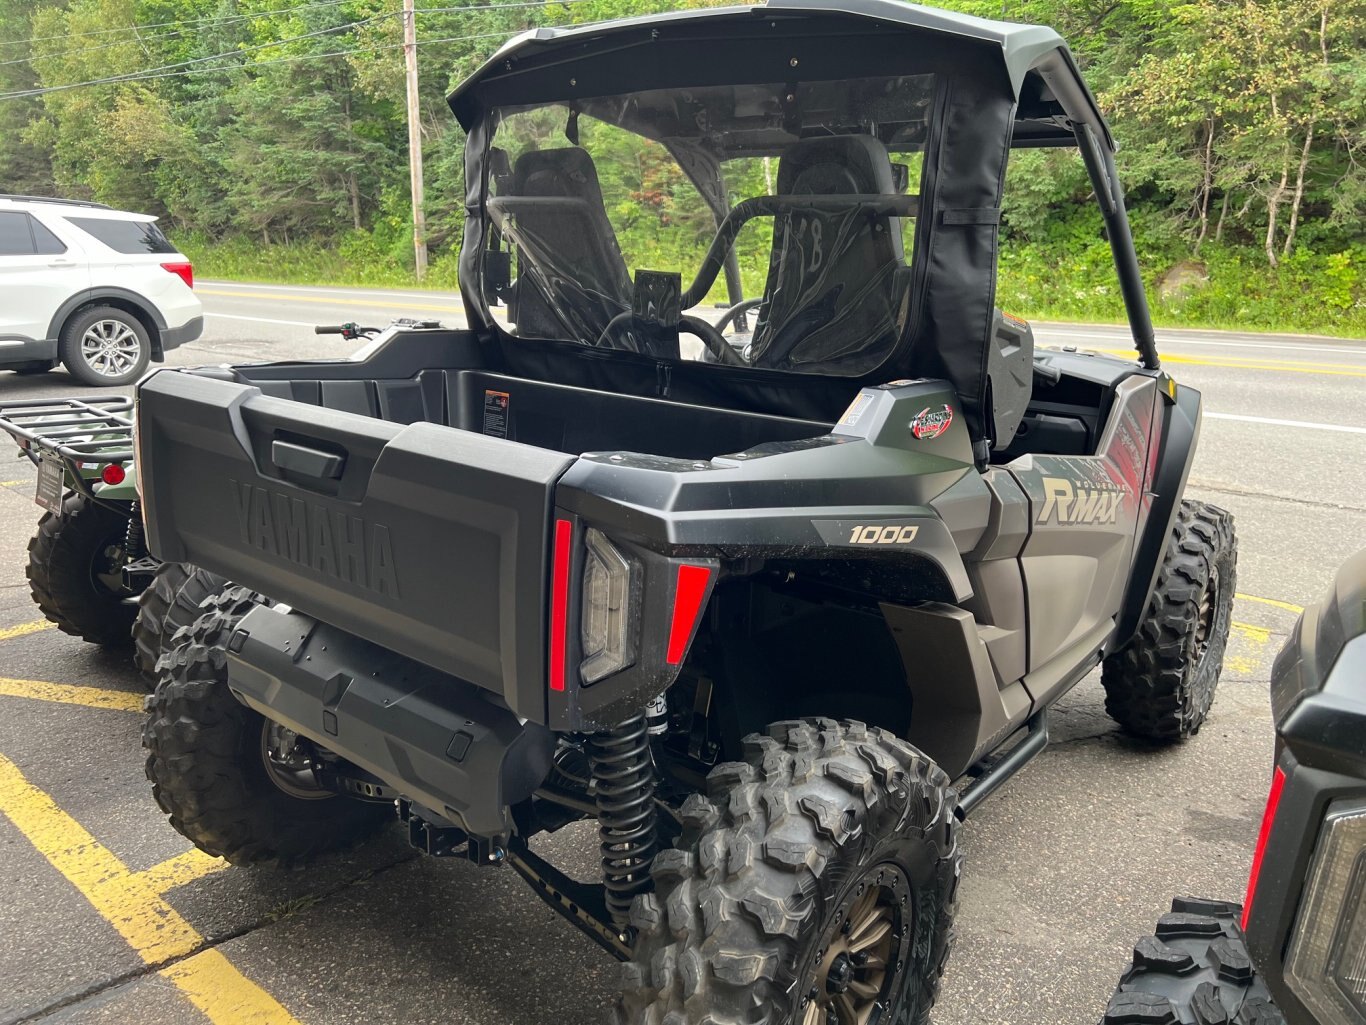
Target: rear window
{"x": 125, "y": 236}
{"x": 21, "y": 235}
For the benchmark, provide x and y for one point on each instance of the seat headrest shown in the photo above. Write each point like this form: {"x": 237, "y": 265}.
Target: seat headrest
{"x": 567, "y": 171}
{"x": 836, "y": 165}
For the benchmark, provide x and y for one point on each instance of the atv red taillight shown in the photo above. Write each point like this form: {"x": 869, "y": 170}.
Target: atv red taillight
{"x": 559, "y": 601}
{"x": 182, "y": 269}
{"x": 1273, "y": 798}
{"x": 688, "y": 594}
{"x": 113, "y": 474}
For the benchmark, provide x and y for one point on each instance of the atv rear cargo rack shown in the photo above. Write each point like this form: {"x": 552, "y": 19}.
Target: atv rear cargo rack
{"x": 76, "y": 430}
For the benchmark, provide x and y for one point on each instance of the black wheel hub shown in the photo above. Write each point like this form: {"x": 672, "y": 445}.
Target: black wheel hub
{"x": 841, "y": 974}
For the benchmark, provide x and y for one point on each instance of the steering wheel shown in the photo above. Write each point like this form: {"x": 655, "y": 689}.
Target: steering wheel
{"x": 711, "y": 338}
{"x": 738, "y": 310}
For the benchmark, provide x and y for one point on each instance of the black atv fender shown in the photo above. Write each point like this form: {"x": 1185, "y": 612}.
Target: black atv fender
{"x": 1180, "y": 410}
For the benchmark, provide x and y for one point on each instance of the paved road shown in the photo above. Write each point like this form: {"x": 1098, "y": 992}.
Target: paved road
{"x": 105, "y": 917}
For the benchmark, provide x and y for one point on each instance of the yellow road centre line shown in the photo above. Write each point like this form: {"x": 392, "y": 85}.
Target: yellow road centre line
{"x": 295, "y": 298}
{"x": 68, "y": 694}
{"x": 133, "y": 906}
{"x": 24, "y": 629}
{"x": 1283, "y": 366}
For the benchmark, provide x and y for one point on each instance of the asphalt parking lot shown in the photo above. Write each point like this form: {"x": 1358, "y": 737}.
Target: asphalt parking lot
{"x": 107, "y": 916}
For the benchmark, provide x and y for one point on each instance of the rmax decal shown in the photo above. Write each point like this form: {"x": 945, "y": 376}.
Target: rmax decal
{"x": 1066, "y": 502}
{"x": 333, "y": 543}
{"x": 930, "y": 423}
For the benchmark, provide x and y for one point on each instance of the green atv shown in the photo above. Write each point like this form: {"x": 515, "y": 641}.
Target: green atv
{"x": 89, "y": 571}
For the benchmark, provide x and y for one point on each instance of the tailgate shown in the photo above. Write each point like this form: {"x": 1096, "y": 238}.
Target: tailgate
{"x": 425, "y": 539}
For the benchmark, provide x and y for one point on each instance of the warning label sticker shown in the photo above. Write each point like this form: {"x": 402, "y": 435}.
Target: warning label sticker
{"x": 496, "y": 413}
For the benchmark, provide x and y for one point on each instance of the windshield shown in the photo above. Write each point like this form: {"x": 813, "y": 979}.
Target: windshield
{"x": 767, "y": 226}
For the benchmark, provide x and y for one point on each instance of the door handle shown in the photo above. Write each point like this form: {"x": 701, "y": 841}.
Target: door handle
{"x": 61, "y": 263}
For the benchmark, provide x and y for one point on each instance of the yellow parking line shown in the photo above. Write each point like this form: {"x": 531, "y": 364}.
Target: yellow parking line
{"x": 12, "y": 483}
{"x": 1297, "y": 609}
{"x": 24, "y": 629}
{"x": 181, "y": 870}
{"x": 68, "y": 694}
{"x": 136, "y": 909}
{"x": 1283, "y": 366}
{"x": 1258, "y": 635}
{"x": 295, "y": 298}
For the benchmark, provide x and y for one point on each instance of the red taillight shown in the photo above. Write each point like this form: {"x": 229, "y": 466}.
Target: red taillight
{"x": 113, "y": 474}
{"x": 1273, "y": 798}
{"x": 688, "y": 595}
{"x": 559, "y": 601}
{"x": 184, "y": 271}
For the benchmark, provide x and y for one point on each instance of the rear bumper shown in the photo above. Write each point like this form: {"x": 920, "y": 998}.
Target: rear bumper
{"x": 435, "y": 739}
{"x": 174, "y": 337}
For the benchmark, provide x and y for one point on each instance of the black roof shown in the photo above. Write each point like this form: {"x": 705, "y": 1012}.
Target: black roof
{"x": 1022, "y": 47}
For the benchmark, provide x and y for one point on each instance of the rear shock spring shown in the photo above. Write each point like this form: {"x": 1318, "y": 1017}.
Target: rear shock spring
{"x": 134, "y": 543}
{"x": 624, "y": 785}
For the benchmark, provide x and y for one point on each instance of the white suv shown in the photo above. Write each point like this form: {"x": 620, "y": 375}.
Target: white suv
{"x": 100, "y": 290}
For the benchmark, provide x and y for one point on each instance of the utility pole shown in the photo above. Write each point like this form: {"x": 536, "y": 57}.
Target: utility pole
{"x": 414, "y": 139}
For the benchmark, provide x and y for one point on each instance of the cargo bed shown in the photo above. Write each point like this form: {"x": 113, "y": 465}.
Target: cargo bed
{"x": 412, "y": 510}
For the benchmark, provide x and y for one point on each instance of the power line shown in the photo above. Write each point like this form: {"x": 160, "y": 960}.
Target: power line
{"x": 135, "y": 75}
{"x": 181, "y": 24}
{"x": 159, "y": 36}
{"x": 276, "y": 60}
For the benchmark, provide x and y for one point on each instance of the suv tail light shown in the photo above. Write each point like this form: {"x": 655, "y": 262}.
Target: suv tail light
{"x": 1326, "y": 964}
{"x": 183, "y": 270}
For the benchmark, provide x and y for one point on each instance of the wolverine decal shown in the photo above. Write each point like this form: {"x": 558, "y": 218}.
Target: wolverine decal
{"x": 1065, "y": 502}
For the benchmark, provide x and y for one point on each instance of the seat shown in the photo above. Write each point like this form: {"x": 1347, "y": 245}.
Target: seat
{"x": 836, "y": 285}
{"x": 572, "y": 279}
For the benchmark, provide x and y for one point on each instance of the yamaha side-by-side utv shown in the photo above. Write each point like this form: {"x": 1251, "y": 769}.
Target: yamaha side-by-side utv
{"x": 738, "y": 520}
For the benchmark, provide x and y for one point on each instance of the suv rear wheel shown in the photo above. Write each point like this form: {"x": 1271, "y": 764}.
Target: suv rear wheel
{"x": 813, "y": 885}
{"x": 105, "y": 346}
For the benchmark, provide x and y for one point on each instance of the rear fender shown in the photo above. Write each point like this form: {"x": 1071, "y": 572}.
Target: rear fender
{"x": 1180, "y": 413}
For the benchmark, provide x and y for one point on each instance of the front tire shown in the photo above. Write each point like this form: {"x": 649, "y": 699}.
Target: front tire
{"x": 208, "y": 758}
{"x": 105, "y": 346}
{"x": 1160, "y": 686}
{"x": 815, "y": 880}
{"x": 75, "y": 571}
{"x": 170, "y": 603}
{"x": 1196, "y": 969}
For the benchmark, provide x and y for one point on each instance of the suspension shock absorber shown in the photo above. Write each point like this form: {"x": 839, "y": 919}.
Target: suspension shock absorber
{"x": 624, "y": 784}
{"x": 134, "y": 542}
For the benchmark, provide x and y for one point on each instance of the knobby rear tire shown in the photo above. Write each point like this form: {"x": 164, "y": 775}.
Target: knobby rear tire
{"x": 765, "y": 867}
{"x": 205, "y": 761}
{"x": 1160, "y": 686}
{"x": 1194, "y": 971}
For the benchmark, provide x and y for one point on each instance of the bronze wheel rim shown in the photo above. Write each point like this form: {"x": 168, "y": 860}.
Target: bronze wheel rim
{"x": 288, "y": 764}
{"x": 858, "y": 969}
{"x": 1205, "y": 614}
